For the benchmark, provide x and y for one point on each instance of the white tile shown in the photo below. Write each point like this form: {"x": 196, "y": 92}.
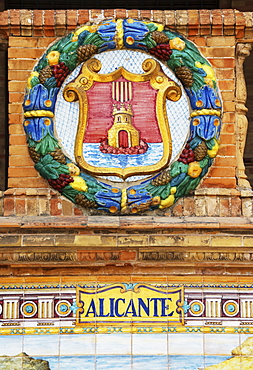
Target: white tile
{"x": 41, "y": 345}
{"x": 220, "y": 344}
{"x": 149, "y": 344}
{"x": 113, "y": 344}
{"x": 11, "y": 345}
{"x": 186, "y": 344}
{"x": 77, "y": 344}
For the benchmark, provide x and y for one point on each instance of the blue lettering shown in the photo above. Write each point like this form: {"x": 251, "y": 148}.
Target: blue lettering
{"x": 92, "y": 309}
{"x": 129, "y": 308}
{"x": 142, "y": 305}
{"x": 117, "y": 307}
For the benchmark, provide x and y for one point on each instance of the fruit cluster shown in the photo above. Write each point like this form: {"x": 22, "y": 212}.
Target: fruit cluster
{"x": 187, "y": 155}
{"x": 161, "y": 51}
{"x": 61, "y": 182}
{"x": 138, "y": 149}
{"x": 60, "y": 72}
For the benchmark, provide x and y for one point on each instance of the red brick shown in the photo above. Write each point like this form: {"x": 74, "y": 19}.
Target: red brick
{"x": 95, "y": 13}
{"x": 120, "y": 13}
{"x": 222, "y": 63}
{"x": 19, "y": 150}
{"x": 16, "y": 160}
{"x": 16, "y": 129}
{"x": 221, "y": 41}
{"x": 56, "y": 207}
{"x": 83, "y": 16}
{"x": 193, "y": 17}
{"x": 8, "y": 206}
{"x": 239, "y": 32}
{"x": 227, "y": 150}
{"x": 128, "y": 255}
{"x": 22, "y": 172}
{"x": 228, "y": 17}
{"x": 17, "y": 140}
{"x": 227, "y": 139}
{"x": 228, "y": 95}
{"x": 217, "y": 31}
{"x": 144, "y": 13}
{"x": 78, "y": 211}
{"x": 177, "y": 210}
{"x": 4, "y": 18}
{"x": 71, "y": 19}
{"x": 60, "y": 22}
{"x": 17, "y": 97}
{"x": 24, "y": 42}
{"x": 228, "y": 117}
{"x": 15, "y": 118}
{"x": 225, "y": 162}
{"x": 109, "y": 13}
{"x": 36, "y": 182}
{"x": 227, "y": 84}
{"x": 67, "y": 207}
{"x": 188, "y": 206}
{"x": 225, "y": 74}
{"x": 222, "y": 171}
{"x": 29, "y": 53}
{"x": 228, "y": 183}
{"x": 32, "y": 206}
{"x": 216, "y": 15}
{"x": 204, "y": 17}
{"x": 49, "y": 20}
{"x": 224, "y": 207}
{"x": 15, "y": 22}
{"x": 38, "y": 18}
{"x": 199, "y": 41}
{"x": 20, "y": 208}
{"x": 236, "y": 207}
{"x": 229, "y": 106}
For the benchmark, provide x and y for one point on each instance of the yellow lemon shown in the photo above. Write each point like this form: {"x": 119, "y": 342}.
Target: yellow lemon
{"x": 213, "y": 152}
{"x": 169, "y": 200}
{"x": 194, "y": 169}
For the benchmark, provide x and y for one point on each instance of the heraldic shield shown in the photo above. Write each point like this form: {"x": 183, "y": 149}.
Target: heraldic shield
{"x": 118, "y": 134}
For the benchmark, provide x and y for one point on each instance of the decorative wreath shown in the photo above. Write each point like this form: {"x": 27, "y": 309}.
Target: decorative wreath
{"x": 182, "y": 57}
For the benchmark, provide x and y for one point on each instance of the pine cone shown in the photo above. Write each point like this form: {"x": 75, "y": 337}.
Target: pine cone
{"x": 33, "y": 154}
{"x": 200, "y": 151}
{"x": 185, "y": 76}
{"x": 58, "y": 156}
{"x": 84, "y": 52}
{"x": 160, "y": 37}
{"x": 82, "y": 201}
{"x": 44, "y": 74}
{"x": 162, "y": 179}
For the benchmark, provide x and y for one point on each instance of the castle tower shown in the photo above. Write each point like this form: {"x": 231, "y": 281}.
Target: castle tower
{"x": 123, "y": 134}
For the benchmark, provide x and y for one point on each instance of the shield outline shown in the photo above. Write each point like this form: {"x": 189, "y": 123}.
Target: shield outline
{"x": 167, "y": 89}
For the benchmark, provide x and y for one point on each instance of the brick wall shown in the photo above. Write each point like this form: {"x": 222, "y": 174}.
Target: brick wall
{"x": 215, "y": 33}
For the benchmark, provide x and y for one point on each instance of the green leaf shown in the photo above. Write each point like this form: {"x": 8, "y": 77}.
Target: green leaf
{"x": 47, "y": 144}
{"x": 177, "y": 168}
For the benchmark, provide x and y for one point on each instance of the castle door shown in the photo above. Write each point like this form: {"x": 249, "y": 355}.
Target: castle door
{"x": 123, "y": 139}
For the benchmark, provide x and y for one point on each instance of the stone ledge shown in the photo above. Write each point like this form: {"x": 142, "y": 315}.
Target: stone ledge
{"x": 139, "y": 223}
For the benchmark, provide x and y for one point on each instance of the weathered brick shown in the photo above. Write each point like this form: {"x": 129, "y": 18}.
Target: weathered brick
{"x": 226, "y": 241}
{"x": 83, "y": 16}
{"x": 132, "y": 241}
{"x": 95, "y": 241}
{"x": 56, "y": 207}
{"x": 38, "y": 240}
{"x": 221, "y": 41}
{"x": 8, "y": 206}
{"x": 121, "y": 13}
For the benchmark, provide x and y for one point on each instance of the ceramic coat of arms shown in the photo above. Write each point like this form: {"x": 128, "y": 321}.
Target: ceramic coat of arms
{"x": 123, "y": 116}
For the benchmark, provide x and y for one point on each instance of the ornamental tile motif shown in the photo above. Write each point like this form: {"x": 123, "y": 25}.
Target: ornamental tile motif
{"x": 123, "y": 116}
